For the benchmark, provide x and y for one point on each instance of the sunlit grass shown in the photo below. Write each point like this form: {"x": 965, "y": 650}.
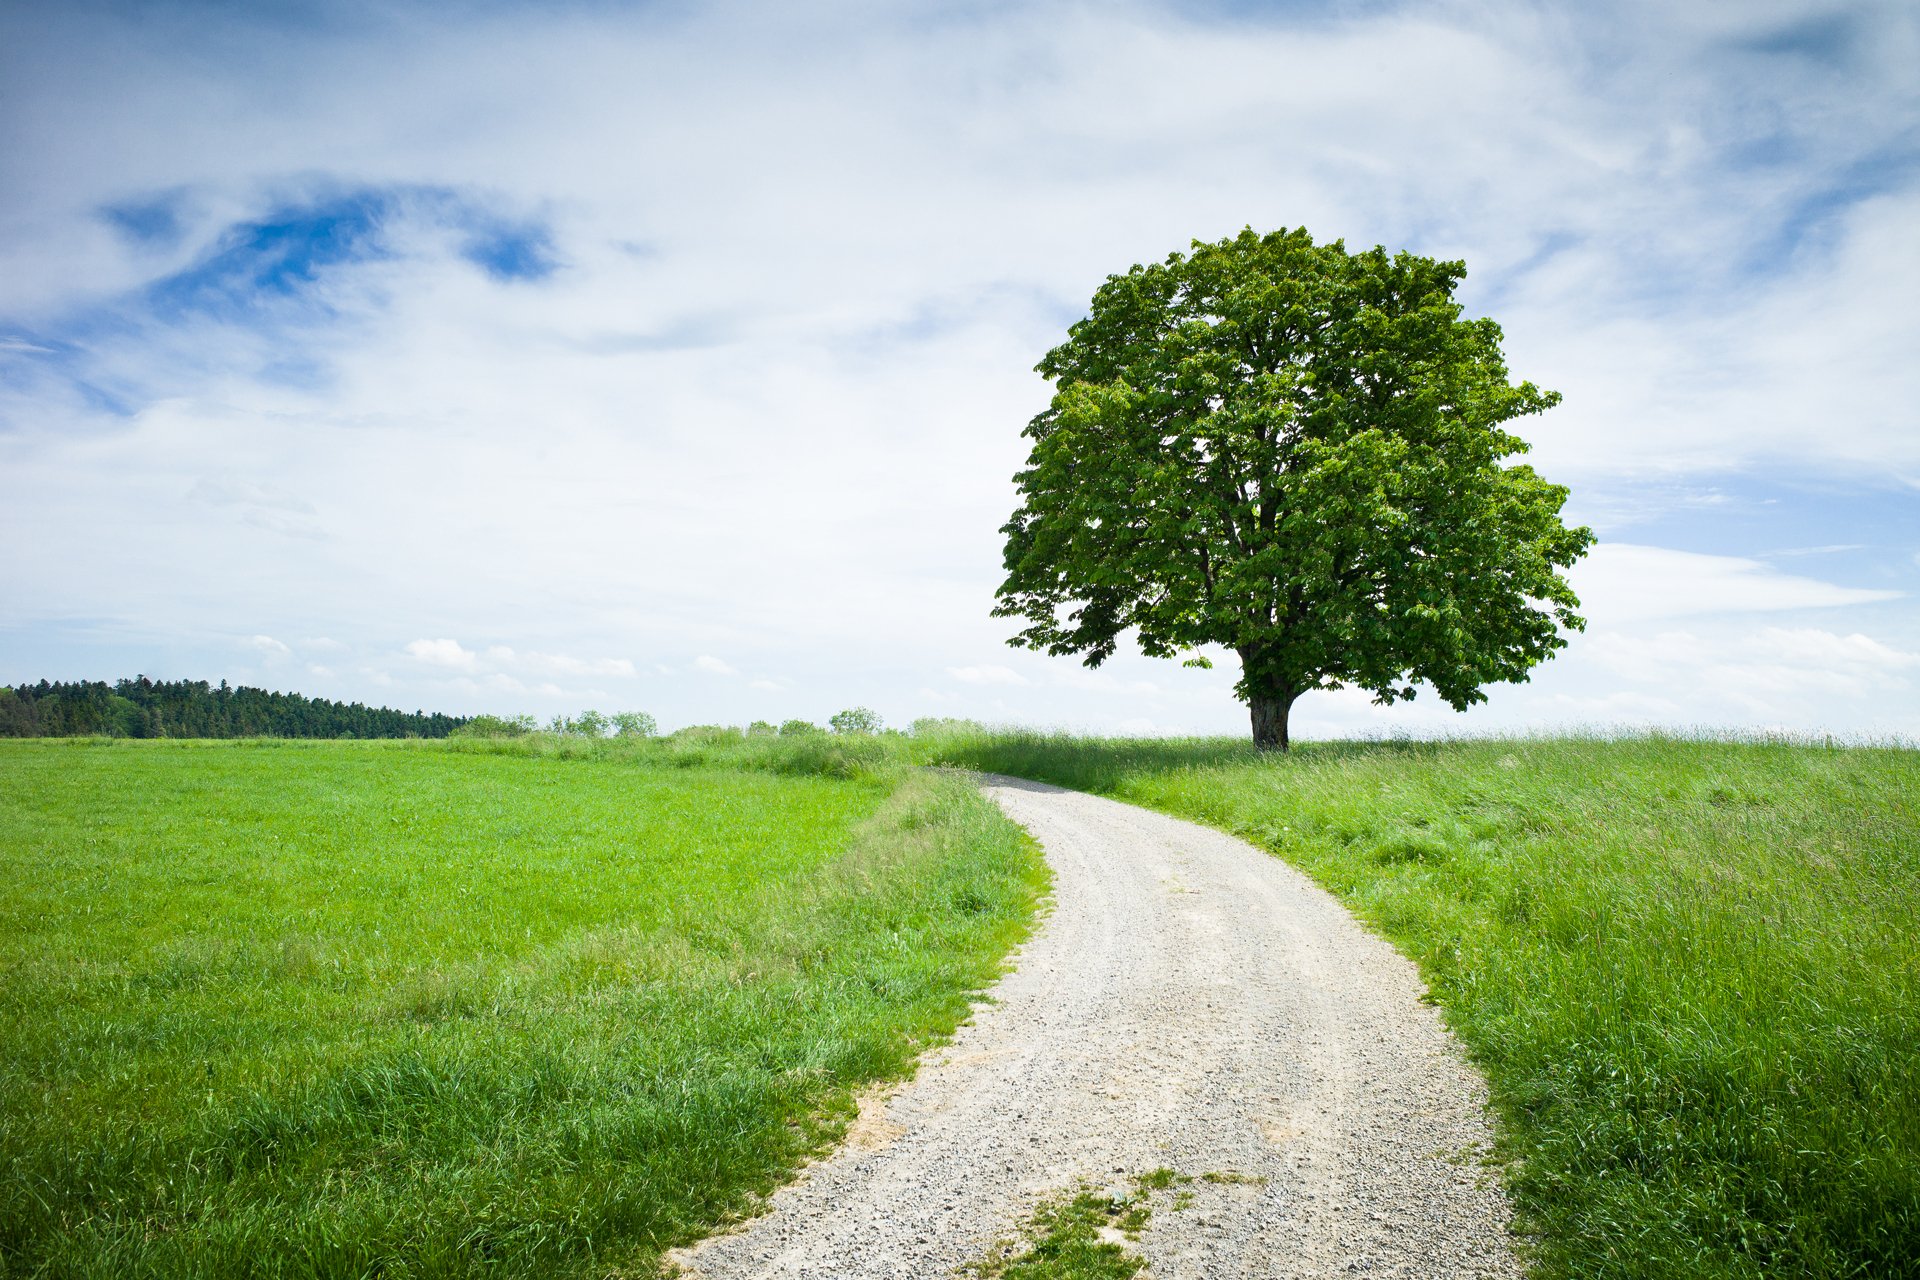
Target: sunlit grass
{"x": 1690, "y": 968}
{"x": 417, "y": 1009}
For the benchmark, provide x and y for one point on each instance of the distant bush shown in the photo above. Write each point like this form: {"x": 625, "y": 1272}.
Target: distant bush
{"x": 496, "y": 727}
{"x": 856, "y": 720}
{"x": 588, "y": 724}
{"x": 761, "y": 729}
{"x": 705, "y": 733}
{"x": 935, "y": 726}
{"x": 635, "y": 724}
{"x": 798, "y": 728}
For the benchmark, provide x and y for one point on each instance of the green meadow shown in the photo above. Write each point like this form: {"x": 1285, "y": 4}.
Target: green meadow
{"x": 1690, "y": 968}
{"x": 548, "y": 1005}
{"x": 436, "y": 1009}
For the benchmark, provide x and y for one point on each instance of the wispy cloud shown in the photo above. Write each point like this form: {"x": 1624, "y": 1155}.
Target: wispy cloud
{"x": 446, "y": 653}
{"x": 989, "y": 674}
{"x": 1621, "y": 583}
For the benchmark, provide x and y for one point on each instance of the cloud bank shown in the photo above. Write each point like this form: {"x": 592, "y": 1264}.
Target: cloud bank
{"x": 698, "y": 340}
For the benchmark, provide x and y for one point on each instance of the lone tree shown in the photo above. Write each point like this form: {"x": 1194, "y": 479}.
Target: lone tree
{"x": 1297, "y": 453}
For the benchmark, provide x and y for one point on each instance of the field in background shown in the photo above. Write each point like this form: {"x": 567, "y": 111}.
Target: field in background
{"x": 1691, "y": 969}
{"x": 425, "y": 1009}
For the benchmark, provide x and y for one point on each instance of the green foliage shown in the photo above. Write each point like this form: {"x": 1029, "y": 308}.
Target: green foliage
{"x": 1296, "y": 453}
{"x": 938, "y": 726}
{"x": 484, "y": 726}
{"x": 796, "y": 728}
{"x": 1689, "y": 967}
{"x": 503, "y": 1006}
{"x": 856, "y": 720}
{"x": 635, "y": 724}
{"x": 761, "y": 729}
{"x": 144, "y": 708}
{"x": 588, "y": 724}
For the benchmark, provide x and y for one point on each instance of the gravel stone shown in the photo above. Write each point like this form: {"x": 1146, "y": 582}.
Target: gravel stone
{"x": 1189, "y": 1002}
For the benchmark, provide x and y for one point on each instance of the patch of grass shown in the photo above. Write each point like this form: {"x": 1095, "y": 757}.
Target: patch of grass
{"x": 1690, "y": 968}
{"x": 429, "y": 1009}
{"x": 1081, "y": 1238}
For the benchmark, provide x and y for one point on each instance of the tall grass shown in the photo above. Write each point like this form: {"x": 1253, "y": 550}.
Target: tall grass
{"x": 410, "y": 1009}
{"x": 1690, "y": 968}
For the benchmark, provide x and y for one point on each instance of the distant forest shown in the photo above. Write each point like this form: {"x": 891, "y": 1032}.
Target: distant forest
{"x": 146, "y": 708}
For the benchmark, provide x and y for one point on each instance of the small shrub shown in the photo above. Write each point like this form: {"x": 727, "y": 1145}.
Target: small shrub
{"x": 798, "y": 728}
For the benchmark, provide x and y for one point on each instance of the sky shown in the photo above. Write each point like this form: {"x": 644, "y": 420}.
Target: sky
{"x": 674, "y": 357}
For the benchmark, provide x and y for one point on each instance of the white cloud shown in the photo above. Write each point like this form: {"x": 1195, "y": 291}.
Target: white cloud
{"x": 566, "y": 665}
{"x": 713, "y": 666}
{"x": 268, "y": 646}
{"x": 446, "y": 653}
{"x": 770, "y": 686}
{"x": 1772, "y": 675}
{"x": 1621, "y": 583}
{"x": 987, "y": 673}
{"x": 789, "y": 439}
{"x": 1101, "y": 680}
{"x": 500, "y": 659}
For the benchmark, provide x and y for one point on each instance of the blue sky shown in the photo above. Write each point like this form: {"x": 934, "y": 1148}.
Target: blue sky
{"x": 530, "y": 358}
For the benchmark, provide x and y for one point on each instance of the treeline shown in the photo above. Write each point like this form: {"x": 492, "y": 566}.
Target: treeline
{"x": 146, "y": 708}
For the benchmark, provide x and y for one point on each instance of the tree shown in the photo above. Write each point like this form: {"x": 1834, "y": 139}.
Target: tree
{"x": 635, "y": 724}
{"x": 856, "y": 720}
{"x": 1295, "y": 453}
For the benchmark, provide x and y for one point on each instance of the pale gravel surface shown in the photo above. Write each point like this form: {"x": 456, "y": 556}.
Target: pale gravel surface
{"x": 1189, "y": 1002}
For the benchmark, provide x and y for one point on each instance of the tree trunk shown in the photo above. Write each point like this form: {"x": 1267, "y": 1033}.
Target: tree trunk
{"x": 1270, "y": 720}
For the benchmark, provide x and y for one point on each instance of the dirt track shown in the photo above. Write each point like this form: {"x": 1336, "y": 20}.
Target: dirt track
{"x": 1192, "y": 1003}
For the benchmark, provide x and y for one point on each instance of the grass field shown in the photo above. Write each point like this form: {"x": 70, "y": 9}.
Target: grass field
{"x": 1691, "y": 969}
{"x": 424, "y": 1009}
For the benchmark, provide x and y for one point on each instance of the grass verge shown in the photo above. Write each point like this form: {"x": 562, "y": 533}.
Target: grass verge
{"x": 1689, "y": 968}
{"x": 419, "y": 1009}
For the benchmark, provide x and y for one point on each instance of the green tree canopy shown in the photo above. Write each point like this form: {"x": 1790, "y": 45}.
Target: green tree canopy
{"x": 1297, "y": 453}
{"x": 856, "y": 720}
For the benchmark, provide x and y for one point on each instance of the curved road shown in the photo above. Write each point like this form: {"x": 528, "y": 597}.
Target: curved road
{"x": 1193, "y": 1003}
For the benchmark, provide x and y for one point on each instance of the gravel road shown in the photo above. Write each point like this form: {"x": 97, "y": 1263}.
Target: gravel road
{"x": 1191, "y": 1003}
